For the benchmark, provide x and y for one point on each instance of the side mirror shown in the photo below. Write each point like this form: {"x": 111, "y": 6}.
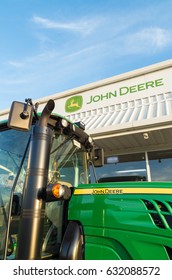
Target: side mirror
{"x": 20, "y": 116}
{"x": 98, "y": 157}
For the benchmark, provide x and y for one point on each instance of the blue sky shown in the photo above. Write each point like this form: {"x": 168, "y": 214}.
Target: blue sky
{"x": 49, "y": 46}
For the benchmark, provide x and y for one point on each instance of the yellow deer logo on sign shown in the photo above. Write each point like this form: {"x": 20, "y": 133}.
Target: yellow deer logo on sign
{"x": 73, "y": 104}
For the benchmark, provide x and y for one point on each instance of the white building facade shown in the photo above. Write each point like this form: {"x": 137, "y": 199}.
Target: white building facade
{"x": 130, "y": 116}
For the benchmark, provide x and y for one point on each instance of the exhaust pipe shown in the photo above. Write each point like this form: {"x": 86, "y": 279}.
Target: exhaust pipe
{"x": 49, "y": 107}
{"x": 33, "y": 207}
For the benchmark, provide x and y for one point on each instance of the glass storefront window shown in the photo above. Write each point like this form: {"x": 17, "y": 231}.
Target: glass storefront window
{"x": 131, "y": 167}
{"x": 160, "y": 165}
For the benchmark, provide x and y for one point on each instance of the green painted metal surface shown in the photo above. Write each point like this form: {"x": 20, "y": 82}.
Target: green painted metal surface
{"x": 125, "y": 220}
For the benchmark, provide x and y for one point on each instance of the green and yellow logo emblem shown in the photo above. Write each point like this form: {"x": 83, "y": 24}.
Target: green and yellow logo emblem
{"x": 73, "y": 104}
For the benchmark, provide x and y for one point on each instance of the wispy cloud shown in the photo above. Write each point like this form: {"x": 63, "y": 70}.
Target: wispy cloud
{"x": 13, "y": 81}
{"x": 83, "y": 26}
{"x": 16, "y": 64}
{"x": 41, "y": 57}
{"x": 151, "y": 39}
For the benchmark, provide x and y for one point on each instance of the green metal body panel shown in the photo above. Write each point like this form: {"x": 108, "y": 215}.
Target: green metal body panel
{"x": 125, "y": 220}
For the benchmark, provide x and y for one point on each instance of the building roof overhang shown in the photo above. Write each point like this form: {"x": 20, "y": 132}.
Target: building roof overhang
{"x": 140, "y": 140}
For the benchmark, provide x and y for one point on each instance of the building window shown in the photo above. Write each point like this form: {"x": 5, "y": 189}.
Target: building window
{"x": 160, "y": 163}
{"x": 151, "y": 166}
{"x": 123, "y": 168}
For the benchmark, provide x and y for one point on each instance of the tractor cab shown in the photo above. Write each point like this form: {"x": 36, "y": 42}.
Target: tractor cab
{"x": 41, "y": 161}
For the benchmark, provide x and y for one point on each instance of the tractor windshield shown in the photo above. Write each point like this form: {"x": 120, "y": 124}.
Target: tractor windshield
{"x": 12, "y": 148}
{"x": 67, "y": 165}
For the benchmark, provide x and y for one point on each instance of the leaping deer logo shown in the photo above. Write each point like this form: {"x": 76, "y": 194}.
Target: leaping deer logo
{"x": 73, "y": 103}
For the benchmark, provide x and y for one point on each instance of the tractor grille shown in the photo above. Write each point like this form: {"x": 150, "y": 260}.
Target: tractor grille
{"x": 161, "y": 212}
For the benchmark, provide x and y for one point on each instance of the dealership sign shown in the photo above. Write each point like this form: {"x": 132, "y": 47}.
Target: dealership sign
{"x": 126, "y": 90}
{"x": 114, "y": 95}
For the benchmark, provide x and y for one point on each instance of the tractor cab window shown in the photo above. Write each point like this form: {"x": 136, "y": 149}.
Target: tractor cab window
{"x": 12, "y": 149}
{"x": 68, "y": 162}
{"x": 67, "y": 166}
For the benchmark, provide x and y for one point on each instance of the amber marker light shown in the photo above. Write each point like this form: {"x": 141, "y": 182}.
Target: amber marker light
{"x": 58, "y": 190}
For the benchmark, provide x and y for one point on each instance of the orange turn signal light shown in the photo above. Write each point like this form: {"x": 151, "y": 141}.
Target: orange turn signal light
{"x": 57, "y": 190}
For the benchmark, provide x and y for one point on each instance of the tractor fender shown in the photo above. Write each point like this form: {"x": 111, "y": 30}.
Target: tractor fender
{"x": 72, "y": 247}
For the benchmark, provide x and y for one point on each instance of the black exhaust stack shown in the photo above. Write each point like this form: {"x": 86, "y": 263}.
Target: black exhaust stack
{"x": 33, "y": 208}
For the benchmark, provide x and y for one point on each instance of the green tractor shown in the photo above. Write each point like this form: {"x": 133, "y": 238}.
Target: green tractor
{"x": 51, "y": 208}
